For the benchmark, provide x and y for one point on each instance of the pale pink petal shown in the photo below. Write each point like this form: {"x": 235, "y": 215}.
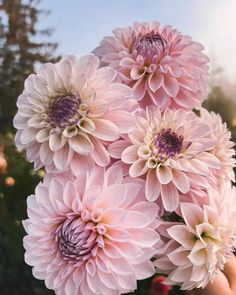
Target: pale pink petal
{"x": 81, "y": 163}
{"x": 170, "y": 197}
{"x": 122, "y": 119}
{"x": 191, "y": 213}
{"x": 137, "y": 72}
{"x": 153, "y": 187}
{"x": 105, "y": 130}
{"x": 155, "y": 81}
{"x": 116, "y": 148}
{"x": 139, "y": 89}
{"x": 145, "y": 270}
{"x": 129, "y": 155}
{"x": 180, "y": 179}
{"x": 182, "y": 235}
{"x": 114, "y": 175}
{"x": 100, "y": 154}
{"x": 171, "y": 86}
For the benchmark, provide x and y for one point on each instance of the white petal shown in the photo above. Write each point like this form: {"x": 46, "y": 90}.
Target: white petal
{"x": 57, "y": 141}
{"x": 46, "y": 155}
{"x": 62, "y": 158}
{"x": 138, "y": 168}
{"x": 164, "y": 174}
{"x": 43, "y": 135}
{"x": 86, "y": 125}
{"x": 81, "y": 144}
{"x": 28, "y": 135}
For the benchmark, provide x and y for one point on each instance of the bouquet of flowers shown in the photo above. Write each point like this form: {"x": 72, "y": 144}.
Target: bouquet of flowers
{"x": 138, "y": 174}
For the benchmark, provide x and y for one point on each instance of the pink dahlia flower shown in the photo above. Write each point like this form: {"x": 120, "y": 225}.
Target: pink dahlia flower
{"x": 223, "y": 148}
{"x": 197, "y": 248}
{"x": 159, "y": 287}
{"x": 67, "y": 112}
{"x": 94, "y": 234}
{"x": 169, "y": 150}
{"x": 164, "y": 67}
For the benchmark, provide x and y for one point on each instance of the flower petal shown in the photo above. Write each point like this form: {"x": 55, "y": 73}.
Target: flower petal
{"x": 155, "y": 81}
{"x": 81, "y": 144}
{"x": 123, "y": 120}
{"x": 129, "y": 155}
{"x": 171, "y": 86}
{"x": 100, "y": 154}
{"x": 164, "y": 174}
{"x": 170, "y": 197}
{"x": 116, "y": 148}
{"x": 181, "y": 181}
{"x": 138, "y": 168}
{"x": 153, "y": 187}
{"x": 105, "y": 130}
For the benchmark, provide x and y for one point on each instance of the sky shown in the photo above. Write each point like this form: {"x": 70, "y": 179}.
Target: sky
{"x": 79, "y": 25}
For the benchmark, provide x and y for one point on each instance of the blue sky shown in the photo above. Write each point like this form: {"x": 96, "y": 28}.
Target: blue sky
{"x": 80, "y": 24}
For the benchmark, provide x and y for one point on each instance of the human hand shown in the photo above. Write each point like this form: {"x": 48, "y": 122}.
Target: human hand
{"x": 224, "y": 283}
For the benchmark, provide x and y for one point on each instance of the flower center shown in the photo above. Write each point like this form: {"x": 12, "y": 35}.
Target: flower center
{"x": 151, "y": 43}
{"x": 77, "y": 239}
{"x": 63, "y": 111}
{"x": 168, "y": 144}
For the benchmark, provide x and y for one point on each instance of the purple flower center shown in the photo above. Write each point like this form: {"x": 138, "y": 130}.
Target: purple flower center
{"x": 76, "y": 239}
{"x": 151, "y": 43}
{"x": 168, "y": 143}
{"x": 63, "y": 111}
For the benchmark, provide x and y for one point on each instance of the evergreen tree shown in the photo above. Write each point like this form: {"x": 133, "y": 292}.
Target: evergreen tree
{"x": 20, "y": 50}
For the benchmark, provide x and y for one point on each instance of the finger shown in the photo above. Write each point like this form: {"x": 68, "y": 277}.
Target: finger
{"x": 220, "y": 286}
{"x": 230, "y": 271}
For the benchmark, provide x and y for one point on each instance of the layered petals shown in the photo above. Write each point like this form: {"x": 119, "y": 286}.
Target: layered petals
{"x": 171, "y": 150}
{"x": 72, "y": 106}
{"x": 164, "y": 67}
{"x": 96, "y": 233}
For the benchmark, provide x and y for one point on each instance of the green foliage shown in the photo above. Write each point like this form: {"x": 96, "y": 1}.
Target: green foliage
{"x": 15, "y": 277}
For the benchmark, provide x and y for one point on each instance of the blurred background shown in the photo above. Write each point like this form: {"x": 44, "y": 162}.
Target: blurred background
{"x": 33, "y": 32}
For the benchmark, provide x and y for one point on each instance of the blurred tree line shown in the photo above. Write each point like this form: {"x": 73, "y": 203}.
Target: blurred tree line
{"x": 21, "y": 49}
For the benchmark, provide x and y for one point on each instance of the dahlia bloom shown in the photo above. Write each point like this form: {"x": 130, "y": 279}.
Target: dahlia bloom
{"x": 68, "y": 111}
{"x": 159, "y": 287}
{"x": 169, "y": 150}
{"x": 197, "y": 248}
{"x": 223, "y": 148}
{"x": 3, "y": 161}
{"x": 164, "y": 67}
{"x": 96, "y": 233}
